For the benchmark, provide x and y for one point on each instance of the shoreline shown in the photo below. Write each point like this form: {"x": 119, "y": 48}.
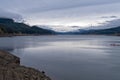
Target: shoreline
{"x": 13, "y": 35}
{"x": 11, "y": 69}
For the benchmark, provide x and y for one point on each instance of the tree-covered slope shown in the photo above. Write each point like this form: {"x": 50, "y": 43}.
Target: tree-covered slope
{"x": 9, "y": 26}
{"x": 110, "y": 31}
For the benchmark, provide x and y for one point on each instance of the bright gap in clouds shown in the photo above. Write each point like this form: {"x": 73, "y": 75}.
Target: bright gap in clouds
{"x": 68, "y": 26}
{"x": 64, "y": 27}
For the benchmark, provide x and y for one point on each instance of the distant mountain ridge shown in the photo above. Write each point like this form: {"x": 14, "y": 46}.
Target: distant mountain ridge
{"x": 109, "y": 31}
{"x": 9, "y": 26}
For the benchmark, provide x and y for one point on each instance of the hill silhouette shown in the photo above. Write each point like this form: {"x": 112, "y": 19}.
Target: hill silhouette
{"x": 9, "y": 26}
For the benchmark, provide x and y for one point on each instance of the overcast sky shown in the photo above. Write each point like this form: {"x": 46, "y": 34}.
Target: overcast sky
{"x": 61, "y": 12}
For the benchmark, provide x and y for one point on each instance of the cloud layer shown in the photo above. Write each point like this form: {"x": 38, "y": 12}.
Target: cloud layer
{"x": 7, "y": 14}
{"x": 62, "y": 12}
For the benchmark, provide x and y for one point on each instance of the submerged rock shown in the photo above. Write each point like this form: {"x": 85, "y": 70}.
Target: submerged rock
{"x": 10, "y": 69}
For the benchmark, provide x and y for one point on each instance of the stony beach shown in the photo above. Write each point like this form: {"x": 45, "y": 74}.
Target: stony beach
{"x": 10, "y": 69}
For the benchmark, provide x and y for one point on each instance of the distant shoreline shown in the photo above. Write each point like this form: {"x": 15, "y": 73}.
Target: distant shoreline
{"x": 12, "y": 35}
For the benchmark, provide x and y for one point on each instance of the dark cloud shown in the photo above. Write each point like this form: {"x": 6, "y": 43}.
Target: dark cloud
{"x": 109, "y": 17}
{"x": 113, "y": 16}
{"x": 75, "y": 26}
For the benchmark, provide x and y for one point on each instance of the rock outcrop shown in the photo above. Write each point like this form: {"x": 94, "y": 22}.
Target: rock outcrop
{"x": 10, "y": 69}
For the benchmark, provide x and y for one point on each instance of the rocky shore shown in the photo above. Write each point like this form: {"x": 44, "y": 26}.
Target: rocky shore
{"x": 10, "y": 69}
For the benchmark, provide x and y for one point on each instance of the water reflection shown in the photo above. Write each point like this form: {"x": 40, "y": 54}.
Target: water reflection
{"x": 69, "y": 57}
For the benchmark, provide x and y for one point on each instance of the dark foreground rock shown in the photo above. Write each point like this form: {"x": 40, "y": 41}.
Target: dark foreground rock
{"x": 10, "y": 69}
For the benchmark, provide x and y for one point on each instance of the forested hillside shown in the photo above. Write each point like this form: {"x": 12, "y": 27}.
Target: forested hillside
{"x": 9, "y": 26}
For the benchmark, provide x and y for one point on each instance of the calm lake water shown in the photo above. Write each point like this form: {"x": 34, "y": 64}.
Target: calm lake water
{"x": 68, "y": 57}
